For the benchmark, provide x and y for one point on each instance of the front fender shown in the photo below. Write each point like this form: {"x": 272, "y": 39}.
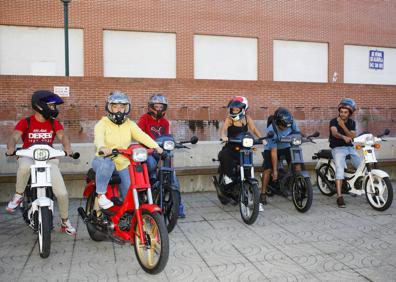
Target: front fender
{"x": 379, "y": 173}
{"x": 42, "y": 202}
{"x": 150, "y": 208}
{"x": 252, "y": 181}
{"x": 303, "y": 173}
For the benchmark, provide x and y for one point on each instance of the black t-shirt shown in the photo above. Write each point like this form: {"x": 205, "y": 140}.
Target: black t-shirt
{"x": 335, "y": 142}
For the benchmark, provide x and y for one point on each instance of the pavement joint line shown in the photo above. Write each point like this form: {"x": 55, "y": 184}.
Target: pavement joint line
{"x": 26, "y": 261}
{"x": 74, "y": 245}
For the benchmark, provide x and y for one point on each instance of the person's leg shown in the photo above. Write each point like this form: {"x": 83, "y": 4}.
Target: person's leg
{"x": 125, "y": 182}
{"x": 339, "y": 156}
{"x": 60, "y": 192}
{"x": 152, "y": 168}
{"x": 227, "y": 163}
{"x": 104, "y": 168}
{"x": 265, "y": 176}
{"x": 22, "y": 178}
{"x": 355, "y": 157}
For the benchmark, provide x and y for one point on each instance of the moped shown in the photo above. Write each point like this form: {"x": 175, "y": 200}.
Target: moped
{"x": 167, "y": 194}
{"x": 366, "y": 179}
{"x": 136, "y": 219}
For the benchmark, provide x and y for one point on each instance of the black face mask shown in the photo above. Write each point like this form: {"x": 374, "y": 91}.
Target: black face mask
{"x": 157, "y": 115}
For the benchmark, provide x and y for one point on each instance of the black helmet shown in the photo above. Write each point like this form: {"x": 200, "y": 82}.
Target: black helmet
{"x": 117, "y": 97}
{"x": 347, "y": 103}
{"x": 157, "y": 98}
{"x": 283, "y": 117}
{"x": 40, "y": 101}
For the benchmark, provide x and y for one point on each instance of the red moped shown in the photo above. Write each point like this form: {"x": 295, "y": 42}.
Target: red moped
{"x": 136, "y": 220}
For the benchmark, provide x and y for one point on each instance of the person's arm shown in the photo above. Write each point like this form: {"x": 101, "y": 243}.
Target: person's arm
{"x": 143, "y": 138}
{"x": 338, "y": 135}
{"x": 99, "y": 139}
{"x": 223, "y": 130}
{"x": 253, "y": 127}
{"x": 60, "y": 134}
{"x": 12, "y": 141}
{"x": 348, "y": 133}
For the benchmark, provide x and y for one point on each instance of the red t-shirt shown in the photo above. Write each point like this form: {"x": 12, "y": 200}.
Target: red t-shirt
{"x": 153, "y": 127}
{"x": 38, "y": 131}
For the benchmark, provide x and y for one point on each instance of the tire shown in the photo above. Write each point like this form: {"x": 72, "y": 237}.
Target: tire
{"x": 44, "y": 231}
{"x": 373, "y": 196}
{"x": 170, "y": 209}
{"x": 89, "y": 208}
{"x": 249, "y": 202}
{"x": 302, "y": 193}
{"x": 323, "y": 187}
{"x": 152, "y": 258}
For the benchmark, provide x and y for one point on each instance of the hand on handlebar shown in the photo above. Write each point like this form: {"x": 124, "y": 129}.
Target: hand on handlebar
{"x": 224, "y": 138}
{"x": 159, "y": 150}
{"x": 347, "y": 139}
{"x": 105, "y": 152}
{"x": 10, "y": 152}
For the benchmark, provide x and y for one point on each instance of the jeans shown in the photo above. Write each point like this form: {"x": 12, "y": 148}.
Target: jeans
{"x": 152, "y": 163}
{"x": 339, "y": 156}
{"x": 104, "y": 169}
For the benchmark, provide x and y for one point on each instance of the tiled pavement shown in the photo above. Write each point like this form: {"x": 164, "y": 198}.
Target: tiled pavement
{"x": 212, "y": 244}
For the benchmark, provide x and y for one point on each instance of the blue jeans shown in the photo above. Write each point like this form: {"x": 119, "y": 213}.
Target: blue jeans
{"x": 339, "y": 156}
{"x": 152, "y": 163}
{"x": 104, "y": 169}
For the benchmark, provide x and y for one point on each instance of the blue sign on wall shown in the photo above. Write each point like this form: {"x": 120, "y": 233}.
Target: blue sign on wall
{"x": 376, "y": 59}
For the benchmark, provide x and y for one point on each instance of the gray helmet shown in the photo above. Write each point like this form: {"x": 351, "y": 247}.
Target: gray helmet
{"x": 157, "y": 98}
{"x": 117, "y": 97}
{"x": 347, "y": 103}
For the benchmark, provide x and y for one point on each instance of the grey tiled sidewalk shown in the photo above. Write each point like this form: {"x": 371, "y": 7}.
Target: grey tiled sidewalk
{"x": 212, "y": 244}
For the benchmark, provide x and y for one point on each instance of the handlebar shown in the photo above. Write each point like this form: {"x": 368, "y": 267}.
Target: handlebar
{"x": 75, "y": 155}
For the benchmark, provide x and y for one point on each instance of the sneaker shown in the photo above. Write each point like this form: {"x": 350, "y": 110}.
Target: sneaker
{"x": 181, "y": 211}
{"x": 67, "y": 228}
{"x": 261, "y": 207}
{"x": 227, "y": 180}
{"x": 14, "y": 203}
{"x": 340, "y": 202}
{"x": 263, "y": 198}
{"x": 104, "y": 203}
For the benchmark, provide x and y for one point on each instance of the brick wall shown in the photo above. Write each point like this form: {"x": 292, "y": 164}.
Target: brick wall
{"x": 197, "y": 106}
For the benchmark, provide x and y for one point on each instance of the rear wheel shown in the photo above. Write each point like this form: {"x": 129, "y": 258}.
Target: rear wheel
{"x": 44, "y": 231}
{"x": 91, "y": 209}
{"x": 249, "y": 202}
{"x": 380, "y": 193}
{"x": 170, "y": 206}
{"x": 330, "y": 177}
{"x": 302, "y": 193}
{"x": 153, "y": 255}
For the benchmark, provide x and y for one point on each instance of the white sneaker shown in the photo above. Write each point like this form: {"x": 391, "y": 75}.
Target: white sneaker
{"x": 14, "y": 203}
{"x": 104, "y": 203}
{"x": 261, "y": 207}
{"x": 227, "y": 179}
{"x": 67, "y": 228}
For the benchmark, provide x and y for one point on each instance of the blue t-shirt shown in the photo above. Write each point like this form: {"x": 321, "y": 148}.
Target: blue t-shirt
{"x": 273, "y": 142}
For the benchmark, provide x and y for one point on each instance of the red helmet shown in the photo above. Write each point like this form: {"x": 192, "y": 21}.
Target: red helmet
{"x": 238, "y": 102}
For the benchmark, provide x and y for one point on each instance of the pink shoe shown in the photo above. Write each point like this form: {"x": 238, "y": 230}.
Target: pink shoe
{"x": 14, "y": 203}
{"x": 67, "y": 228}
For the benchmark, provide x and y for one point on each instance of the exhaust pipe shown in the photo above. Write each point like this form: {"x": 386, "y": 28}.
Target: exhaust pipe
{"x": 82, "y": 213}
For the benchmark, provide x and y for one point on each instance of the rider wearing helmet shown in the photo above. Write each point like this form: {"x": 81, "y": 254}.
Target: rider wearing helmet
{"x": 282, "y": 125}
{"x": 236, "y": 122}
{"x": 116, "y": 131}
{"x": 342, "y": 132}
{"x": 42, "y": 126}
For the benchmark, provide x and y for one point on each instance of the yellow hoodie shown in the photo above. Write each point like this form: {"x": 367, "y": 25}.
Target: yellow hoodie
{"x": 113, "y": 136}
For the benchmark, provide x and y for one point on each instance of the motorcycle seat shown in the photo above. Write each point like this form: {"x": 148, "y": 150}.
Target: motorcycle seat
{"x": 325, "y": 154}
{"x": 115, "y": 178}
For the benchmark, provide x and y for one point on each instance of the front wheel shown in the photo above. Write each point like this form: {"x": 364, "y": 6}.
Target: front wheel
{"x": 44, "y": 231}
{"x": 153, "y": 255}
{"x": 379, "y": 194}
{"x": 170, "y": 206}
{"x": 302, "y": 193}
{"x": 249, "y": 202}
{"x": 327, "y": 172}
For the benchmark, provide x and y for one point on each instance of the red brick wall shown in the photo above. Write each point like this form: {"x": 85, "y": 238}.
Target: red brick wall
{"x": 335, "y": 22}
{"x": 313, "y": 104}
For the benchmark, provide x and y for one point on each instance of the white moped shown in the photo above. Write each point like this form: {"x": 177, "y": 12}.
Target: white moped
{"x": 366, "y": 179}
{"x": 38, "y": 204}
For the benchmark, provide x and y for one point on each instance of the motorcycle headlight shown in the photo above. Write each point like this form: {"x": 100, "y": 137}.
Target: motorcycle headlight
{"x": 169, "y": 145}
{"x": 41, "y": 154}
{"x": 139, "y": 155}
{"x": 247, "y": 142}
{"x": 370, "y": 139}
{"x": 296, "y": 141}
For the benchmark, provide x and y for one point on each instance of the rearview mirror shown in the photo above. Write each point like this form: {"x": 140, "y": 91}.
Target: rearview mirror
{"x": 194, "y": 140}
